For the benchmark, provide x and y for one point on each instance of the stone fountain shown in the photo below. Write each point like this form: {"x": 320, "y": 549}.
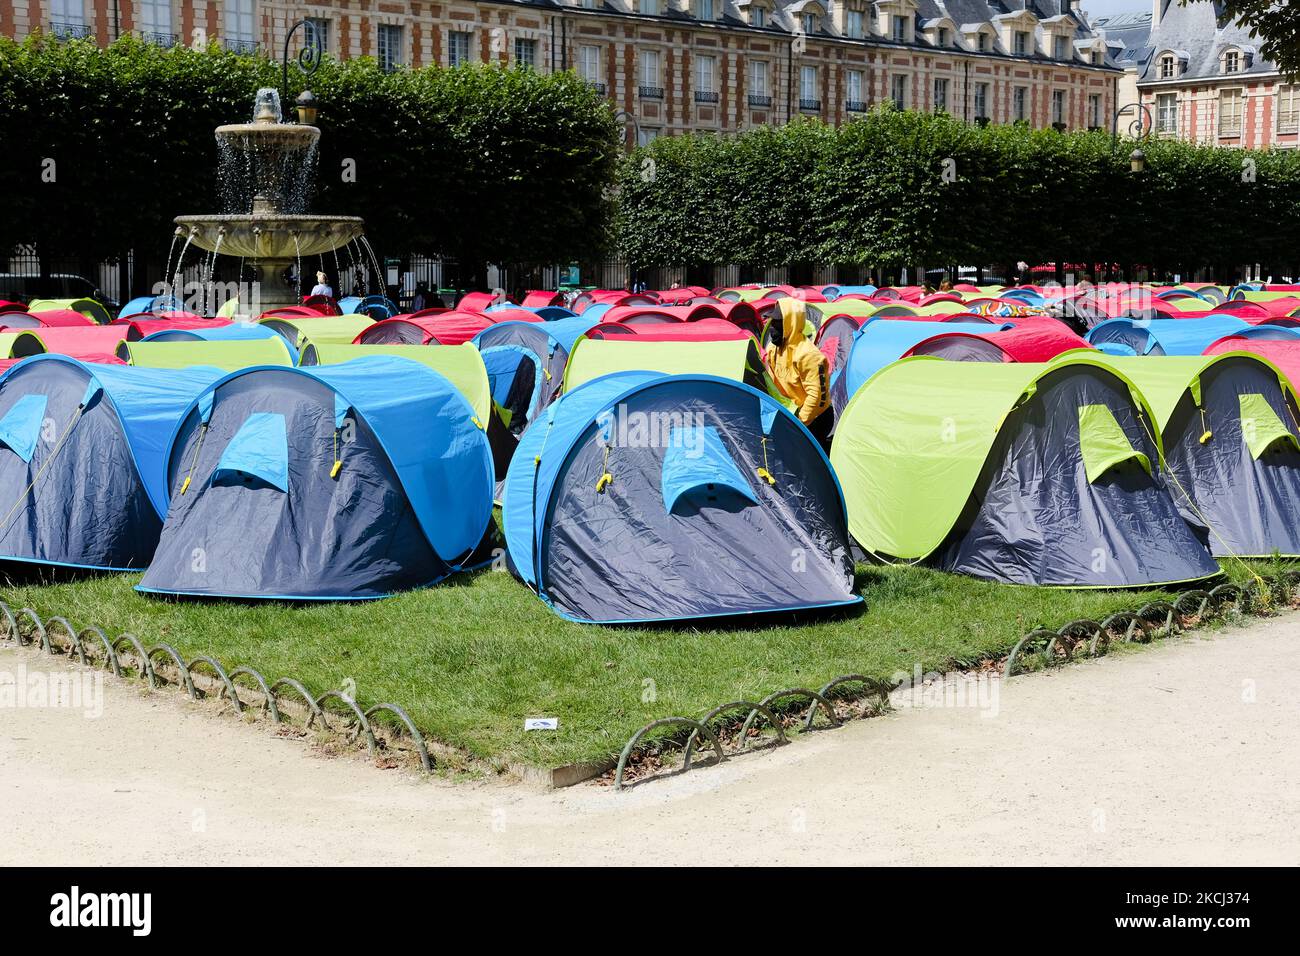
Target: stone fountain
{"x": 267, "y": 174}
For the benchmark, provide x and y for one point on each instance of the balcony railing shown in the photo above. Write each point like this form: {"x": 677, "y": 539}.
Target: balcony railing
{"x": 598, "y": 87}
{"x": 69, "y": 31}
{"x": 855, "y": 106}
{"x": 165, "y": 40}
{"x": 650, "y": 92}
{"x": 706, "y": 96}
{"x": 760, "y": 100}
{"x": 810, "y": 105}
{"x": 241, "y": 46}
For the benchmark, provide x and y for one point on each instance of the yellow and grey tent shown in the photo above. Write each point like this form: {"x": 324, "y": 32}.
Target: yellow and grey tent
{"x": 460, "y": 364}
{"x": 227, "y": 356}
{"x": 87, "y": 307}
{"x": 1228, "y": 426}
{"x": 736, "y": 359}
{"x": 1025, "y": 473}
{"x": 325, "y": 330}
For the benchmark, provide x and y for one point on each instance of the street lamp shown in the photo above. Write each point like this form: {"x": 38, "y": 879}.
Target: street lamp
{"x": 1137, "y": 160}
{"x": 307, "y": 107}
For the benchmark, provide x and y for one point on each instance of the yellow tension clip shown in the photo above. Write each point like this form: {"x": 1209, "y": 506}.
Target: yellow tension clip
{"x": 1207, "y": 434}
{"x": 606, "y": 478}
{"x": 338, "y": 462}
{"x": 186, "y": 486}
{"x": 762, "y": 471}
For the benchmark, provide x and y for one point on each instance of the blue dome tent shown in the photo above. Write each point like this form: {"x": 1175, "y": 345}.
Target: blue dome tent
{"x": 646, "y": 497}
{"x": 336, "y": 482}
{"x": 82, "y": 452}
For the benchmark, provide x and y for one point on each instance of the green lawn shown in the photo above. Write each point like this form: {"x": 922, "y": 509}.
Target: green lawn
{"x": 472, "y": 658}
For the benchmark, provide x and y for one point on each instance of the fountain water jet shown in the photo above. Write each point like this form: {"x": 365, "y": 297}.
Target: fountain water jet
{"x": 267, "y": 169}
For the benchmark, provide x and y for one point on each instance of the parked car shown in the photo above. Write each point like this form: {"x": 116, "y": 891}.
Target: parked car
{"x": 25, "y": 286}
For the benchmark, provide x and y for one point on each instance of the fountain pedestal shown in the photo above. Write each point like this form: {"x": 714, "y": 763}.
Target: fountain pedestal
{"x": 276, "y": 160}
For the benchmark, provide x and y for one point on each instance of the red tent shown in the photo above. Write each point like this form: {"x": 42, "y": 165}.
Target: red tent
{"x": 443, "y": 328}
{"x": 1242, "y": 309}
{"x": 323, "y": 304}
{"x": 80, "y": 343}
{"x": 1034, "y": 341}
{"x": 513, "y": 313}
{"x": 294, "y": 312}
{"x": 140, "y": 326}
{"x": 480, "y": 301}
{"x": 55, "y": 318}
{"x": 703, "y": 330}
{"x": 538, "y": 298}
{"x": 657, "y": 314}
{"x": 1284, "y": 353}
{"x": 9, "y": 305}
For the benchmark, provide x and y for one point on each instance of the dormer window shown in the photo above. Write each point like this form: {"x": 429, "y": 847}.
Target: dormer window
{"x": 900, "y": 29}
{"x": 1231, "y": 62}
{"x": 1020, "y": 43}
{"x": 853, "y": 24}
{"x": 941, "y": 36}
{"x": 706, "y": 10}
{"x": 649, "y": 7}
{"x": 984, "y": 43}
{"x": 1096, "y": 58}
{"x": 809, "y": 24}
{"x": 1060, "y": 48}
{"x": 1168, "y": 67}
{"x": 757, "y": 17}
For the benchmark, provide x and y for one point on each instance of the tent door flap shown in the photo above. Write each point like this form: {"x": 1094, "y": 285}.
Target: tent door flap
{"x": 698, "y": 467}
{"x": 1261, "y": 427}
{"x": 1103, "y": 444}
{"x": 258, "y": 452}
{"x": 21, "y": 425}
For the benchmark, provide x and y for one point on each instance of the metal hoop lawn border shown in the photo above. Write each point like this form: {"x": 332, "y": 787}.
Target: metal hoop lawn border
{"x": 1153, "y": 620}
{"x": 25, "y": 628}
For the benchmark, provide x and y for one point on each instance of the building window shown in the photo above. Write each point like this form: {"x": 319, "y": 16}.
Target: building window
{"x": 1288, "y": 109}
{"x": 898, "y": 91}
{"x": 855, "y": 103}
{"x": 985, "y": 43}
{"x": 1020, "y": 43}
{"x": 589, "y": 4}
{"x": 589, "y": 64}
{"x": 155, "y": 21}
{"x": 651, "y": 86}
{"x": 809, "y": 24}
{"x": 706, "y": 71}
{"x": 1061, "y": 47}
{"x": 649, "y": 7}
{"x": 853, "y": 24}
{"x": 1098, "y": 57}
{"x": 1230, "y": 112}
{"x": 941, "y": 96}
{"x": 1058, "y": 106}
{"x": 239, "y": 25}
{"x": 1094, "y": 110}
{"x": 1231, "y": 61}
{"x": 316, "y": 32}
{"x": 706, "y": 9}
{"x": 757, "y": 17}
{"x": 525, "y": 53}
{"x": 808, "y": 99}
{"x": 981, "y": 100}
{"x": 1020, "y": 104}
{"x": 1168, "y": 67}
{"x": 390, "y": 47}
{"x": 647, "y": 136}
{"x": 1167, "y": 113}
{"x": 68, "y": 19}
{"x": 900, "y": 29}
{"x": 457, "y": 48}
{"x": 758, "y": 91}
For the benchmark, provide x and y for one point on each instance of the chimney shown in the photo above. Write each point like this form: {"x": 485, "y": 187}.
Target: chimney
{"x": 1157, "y": 8}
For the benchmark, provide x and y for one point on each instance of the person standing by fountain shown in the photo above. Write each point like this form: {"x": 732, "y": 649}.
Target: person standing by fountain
{"x": 322, "y": 286}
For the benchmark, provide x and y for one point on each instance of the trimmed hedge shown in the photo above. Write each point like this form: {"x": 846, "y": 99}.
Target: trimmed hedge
{"x": 900, "y": 188}
{"x": 477, "y": 163}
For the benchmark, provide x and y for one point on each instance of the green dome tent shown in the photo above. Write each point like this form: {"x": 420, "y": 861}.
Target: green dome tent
{"x": 87, "y": 307}
{"x": 1228, "y": 425}
{"x": 736, "y": 359}
{"x": 459, "y": 364}
{"x": 227, "y": 356}
{"x": 1025, "y": 473}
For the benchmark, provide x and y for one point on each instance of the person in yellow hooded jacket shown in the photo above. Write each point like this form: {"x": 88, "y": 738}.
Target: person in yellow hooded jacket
{"x": 799, "y": 369}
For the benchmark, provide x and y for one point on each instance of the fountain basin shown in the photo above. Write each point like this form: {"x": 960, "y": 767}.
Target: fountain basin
{"x": 270, "y": 235}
